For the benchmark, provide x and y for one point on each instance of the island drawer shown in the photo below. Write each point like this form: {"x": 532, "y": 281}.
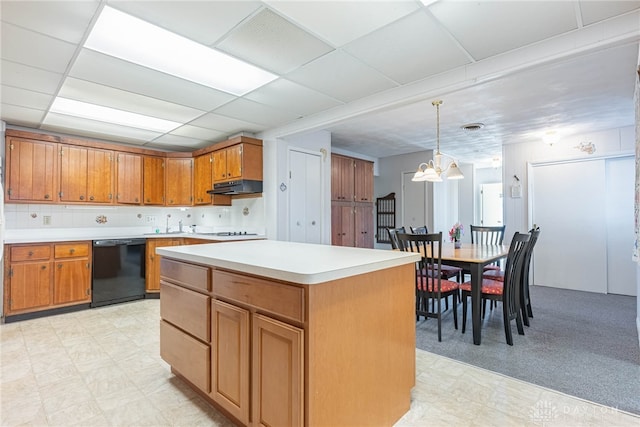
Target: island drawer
{"x": 188, "y": 356}
{"x": 267, "y": 296}
{"x": 30, "y": 253}
{"x": 71, "y": 250}
{"x": 186, "y": 309}
{"x": 194, "y": 276}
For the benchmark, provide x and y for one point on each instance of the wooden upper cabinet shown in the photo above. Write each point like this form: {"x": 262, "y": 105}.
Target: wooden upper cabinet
{"x": 31, "y": 170}
{"x": 85, "y": 174}
{"x": 128, "y": 178}
{"x": 240, "y": 161}
{"x": 178, "y": 181}
{"x": 363, "y": 180}
{"x": 153, "y": 180}
{"x": 202, "y": 179}
{"x": 342, "y": 178}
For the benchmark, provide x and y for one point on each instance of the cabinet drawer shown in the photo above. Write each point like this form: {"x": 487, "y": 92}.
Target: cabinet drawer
{"x": 30, "y": 253}
{"x": 185, "y": 309}
{"x": 272, "y": 297}
{"x": 187, "y": 355}
{"x": 194, "y": 276}
{"x": 71, "y": 250}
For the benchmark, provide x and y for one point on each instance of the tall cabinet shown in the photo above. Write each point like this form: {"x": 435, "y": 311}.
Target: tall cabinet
{"x": 351, "y": 202}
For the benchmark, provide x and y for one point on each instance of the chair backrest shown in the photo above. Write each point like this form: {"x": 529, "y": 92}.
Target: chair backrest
{"x": 393, "y": 236}
{"x": 419, "y": 230}
{"x": 429, "y": 246}
{"x": 534, "y": 233}
{"x": 513, "y": 272}
{"x": 486, "y": 235}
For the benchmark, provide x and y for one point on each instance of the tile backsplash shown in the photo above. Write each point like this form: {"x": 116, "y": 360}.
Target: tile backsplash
{"x": 244, "y": 215}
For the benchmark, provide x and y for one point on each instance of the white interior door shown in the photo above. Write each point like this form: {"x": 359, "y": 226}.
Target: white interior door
{"x": 621, "y": 270}
{"x": 305, "y": 197}
{"x": 568, "y": 203}
{"x": 414, "y": 207}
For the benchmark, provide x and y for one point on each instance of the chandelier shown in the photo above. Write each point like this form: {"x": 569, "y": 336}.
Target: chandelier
{"x": 432, "y": 170}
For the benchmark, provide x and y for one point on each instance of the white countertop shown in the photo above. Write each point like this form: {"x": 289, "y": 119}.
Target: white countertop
{"x": 302, "y": 263}
{"x": 94, "y": 233}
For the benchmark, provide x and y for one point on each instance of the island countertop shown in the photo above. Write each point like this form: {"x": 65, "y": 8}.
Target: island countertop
{"x": 302, "y": 263}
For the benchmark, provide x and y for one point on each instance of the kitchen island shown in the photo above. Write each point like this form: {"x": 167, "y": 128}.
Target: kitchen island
{"x": 281, "y": 333}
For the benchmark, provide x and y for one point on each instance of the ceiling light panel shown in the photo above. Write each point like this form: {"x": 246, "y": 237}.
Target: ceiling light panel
{"x": 111, "y": 115}
{"x": 272, "y": 42}
{"x": 114, "y": 72}
{"x": 81, "y": 90}
{"x": 126, "y": 37}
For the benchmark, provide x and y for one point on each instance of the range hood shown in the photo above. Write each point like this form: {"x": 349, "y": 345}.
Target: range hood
{"x": 242, "y": 186}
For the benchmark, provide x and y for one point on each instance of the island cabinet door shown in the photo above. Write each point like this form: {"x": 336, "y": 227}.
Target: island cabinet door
{"x": 277, "y": 373}
{"x": 230, "y": 359}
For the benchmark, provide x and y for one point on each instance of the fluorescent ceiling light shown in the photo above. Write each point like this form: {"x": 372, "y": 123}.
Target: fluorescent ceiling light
{"x": 134, "y": 40}
{"x": 85, "y": 110}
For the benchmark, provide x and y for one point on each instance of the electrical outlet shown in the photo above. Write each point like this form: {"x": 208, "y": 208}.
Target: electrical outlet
{"x": 46, "y": 219}
{"x": 151, "y": 218}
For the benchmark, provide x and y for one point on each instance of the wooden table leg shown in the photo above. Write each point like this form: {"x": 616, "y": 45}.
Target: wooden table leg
{"x": 476, "y": 301}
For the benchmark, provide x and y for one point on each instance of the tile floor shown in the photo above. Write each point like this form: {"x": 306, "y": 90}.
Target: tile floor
{"x": 101, "y": 367}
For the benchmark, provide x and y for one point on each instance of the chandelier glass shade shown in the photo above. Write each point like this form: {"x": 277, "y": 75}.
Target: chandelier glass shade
{"x": 433, "y": 170}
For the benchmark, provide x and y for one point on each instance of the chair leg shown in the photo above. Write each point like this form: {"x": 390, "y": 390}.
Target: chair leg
{"x": 524, "y": 316}
{"x": 507, "y": 325}
{"x": 439, "y": 318}
{"x": 519, "y": 323}
{"x": 464, "y": 312}
{"x": 455, "y": 310}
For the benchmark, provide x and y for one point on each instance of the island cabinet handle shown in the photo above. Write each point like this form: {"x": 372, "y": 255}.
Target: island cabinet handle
{"x": 30, "y": 253}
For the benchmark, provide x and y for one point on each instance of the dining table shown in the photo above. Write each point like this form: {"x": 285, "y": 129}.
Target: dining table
{"x": 473, "y": 257}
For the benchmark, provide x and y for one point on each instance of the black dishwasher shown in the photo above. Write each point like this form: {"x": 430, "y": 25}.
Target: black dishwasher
{"x": 118, "y": 271}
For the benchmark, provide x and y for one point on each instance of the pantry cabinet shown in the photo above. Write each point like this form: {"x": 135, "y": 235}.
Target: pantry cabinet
{"x": 128, "y": 178}
{"x": 31, "y": 170}
{"x": 153, "y": 180}
{"x": 85, "y": 174}
{"x": 352, "y": 202}
{"x": 179, "y": 181}
{"x": 44, "y": 276}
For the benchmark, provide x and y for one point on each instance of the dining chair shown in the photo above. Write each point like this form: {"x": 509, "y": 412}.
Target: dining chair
{"x": 507, "y": 292}
{"x": 393, "y": 236}
{"x": 525, "y": 300}
{"x": 431, "y": 288}
{"x": 448, "y": 271}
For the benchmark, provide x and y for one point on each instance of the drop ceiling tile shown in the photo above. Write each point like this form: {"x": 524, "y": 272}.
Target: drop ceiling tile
{"x": 96, "y": 129}
{"x": 227, "y": 125}
{"x": 25, "y": 77}
{"x": 287, "y": 95}
{"x": 200, "y": 133}
{"x": 64, "y": 20}
{"x": 109, "y": 71}
{"x": 21, "y": 116}
{"x": 94, "y": 93}
{"x": 341, "y": 76}
{"x": 25, "y": 98}
{"x": 340, "y": 22}
{"x": 244, "y": 109}
{"x": 179, "y": 141}
{"x": 417, "y": 42}
{"x": 595, "y": 11}
{"x": 202, "y": 21}
{"x": 35, "y": 49}
{"x": 273, "y": 43}
{"x": 490, "y": 28}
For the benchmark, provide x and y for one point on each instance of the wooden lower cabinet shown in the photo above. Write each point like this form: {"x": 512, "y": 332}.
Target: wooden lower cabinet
{"x": 46, "y": 275}
{"x": 152, "y": 272}
{"x": 277, "y": 373}
{"x": 186, "y": 355}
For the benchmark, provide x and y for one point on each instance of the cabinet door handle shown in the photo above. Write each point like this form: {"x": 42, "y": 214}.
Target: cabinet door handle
{"x": 59, "y": 265}
{"x": 81, "y": 197}
{"x": 44, "y": 267}
{"x": 91, "y": 198}
{"x": 30, "y": 253}
{"x": 46, "y": 196}
{"x": 136, "y": 200}
{"x": 72, "y": 250}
